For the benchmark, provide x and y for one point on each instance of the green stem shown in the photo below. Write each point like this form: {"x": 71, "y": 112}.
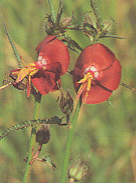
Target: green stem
{"x": 52, "y": 11}
{"x": 69, "y": 141}
{"x": 32, "y": 140}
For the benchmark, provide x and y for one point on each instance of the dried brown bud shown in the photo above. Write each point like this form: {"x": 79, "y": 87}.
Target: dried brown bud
{"x": 43, "y": 135}
{"x": 66, "y": 103}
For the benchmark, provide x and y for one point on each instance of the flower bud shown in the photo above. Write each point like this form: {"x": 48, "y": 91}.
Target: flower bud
{"x": 65, "y": 23}
{"x": 43, "y": 135}
{"x": 107, "y": 26}
{"x": 77, "y": 171}
{"x": 66, "y": 103}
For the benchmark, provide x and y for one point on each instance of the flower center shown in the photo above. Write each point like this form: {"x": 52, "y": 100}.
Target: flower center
{"x": 41, "y": 63}
{"x": 91, "y": 73}
{"x": 92, "y": 69}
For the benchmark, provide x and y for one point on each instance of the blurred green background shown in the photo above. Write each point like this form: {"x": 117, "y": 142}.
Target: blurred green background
{"x": 105, "y": 130}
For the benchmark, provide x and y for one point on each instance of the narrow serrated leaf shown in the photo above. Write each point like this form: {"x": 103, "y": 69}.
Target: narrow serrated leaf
{"x": 127, "y": 86}
{"x": 97, "y": 14}
{"x": 12, "y": 44}
{"x": 53, "y": 120}
{"x": 112, "y": 36}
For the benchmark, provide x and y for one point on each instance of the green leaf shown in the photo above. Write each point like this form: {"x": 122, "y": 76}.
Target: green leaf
{"x": 12, "y": 44}
{"x": 53, "y": 120}
{"x": 97, "y": 14}
{"x": 112, "y": 36}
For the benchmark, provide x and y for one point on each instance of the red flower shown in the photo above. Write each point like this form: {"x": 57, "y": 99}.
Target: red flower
{"x": 96, "y": 74}
{"x": 53, "y": 61}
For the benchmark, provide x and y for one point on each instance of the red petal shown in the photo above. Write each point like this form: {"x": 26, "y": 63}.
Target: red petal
{"x": 53, "y": 67}
{"x": 45, "y": 81}
{"x": 109, "y": 68}
{"x": 96, "y": 54}
{"x": 96, "y": 95}
{"x": 111, "y": 77}
{"x": 43, "y": 43}
{"x": 54, "y": 50}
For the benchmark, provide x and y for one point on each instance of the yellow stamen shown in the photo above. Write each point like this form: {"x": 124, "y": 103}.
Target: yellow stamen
{"x": 29, "y": 86}
{"x": 89, "y": 84}
{"x": 81, "y": 89}
{"x": 84, "y": 79}
{"x": 30, "y": 70}
{"x": 86, "y": 84}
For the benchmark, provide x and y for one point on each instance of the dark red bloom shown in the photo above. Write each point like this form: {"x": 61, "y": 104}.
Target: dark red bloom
{"x": 96, "y": 74}
{"x": 53, "y": 61}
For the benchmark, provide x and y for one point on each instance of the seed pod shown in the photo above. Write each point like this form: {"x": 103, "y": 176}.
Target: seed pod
{"x": 43, "y": 135}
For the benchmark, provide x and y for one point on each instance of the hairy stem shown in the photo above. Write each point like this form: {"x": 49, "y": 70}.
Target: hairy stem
{"x": 32, "y": 140}
{"x": 69, "y": 141}
{"x": 52, "y": 11}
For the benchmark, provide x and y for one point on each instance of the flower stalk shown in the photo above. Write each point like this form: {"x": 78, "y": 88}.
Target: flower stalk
{"x": 69, "y": 141}
{"x": 32, "y": 139}
{"x": 52, "y": 11}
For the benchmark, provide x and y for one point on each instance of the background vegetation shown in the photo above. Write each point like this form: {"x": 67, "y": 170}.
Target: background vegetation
{"x": 105, "y": 130}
